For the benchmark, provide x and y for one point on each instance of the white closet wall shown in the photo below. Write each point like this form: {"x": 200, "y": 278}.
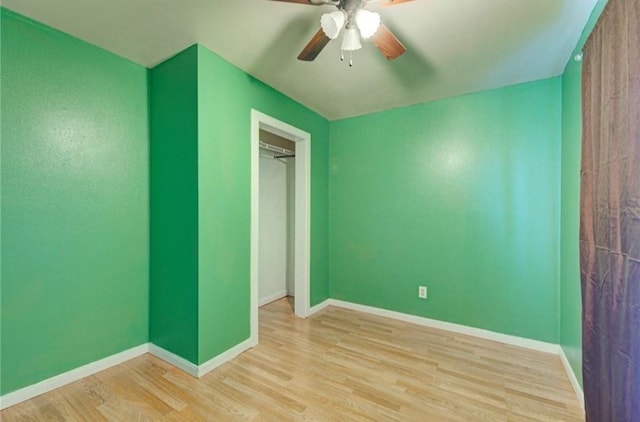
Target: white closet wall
{"x": 291, "y": 228}
{"x": 273, "y": 229}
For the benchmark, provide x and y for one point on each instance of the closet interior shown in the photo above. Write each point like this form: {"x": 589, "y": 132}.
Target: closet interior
{"x": 277, "y": 212}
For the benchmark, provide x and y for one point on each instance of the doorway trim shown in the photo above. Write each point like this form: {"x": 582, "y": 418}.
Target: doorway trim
{"x": 302, "y": 226}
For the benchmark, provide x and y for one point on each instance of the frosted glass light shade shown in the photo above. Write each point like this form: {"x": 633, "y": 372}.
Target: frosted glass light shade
{"x": 351, "y": 39}
{"x": 368, "y": 23}
{"x": 332, "y": 23}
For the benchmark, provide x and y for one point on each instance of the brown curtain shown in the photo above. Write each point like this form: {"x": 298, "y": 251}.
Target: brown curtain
{"x": 610, "y": 215}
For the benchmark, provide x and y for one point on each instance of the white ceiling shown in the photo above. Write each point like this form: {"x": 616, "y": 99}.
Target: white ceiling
{"x": 454, "y": 46}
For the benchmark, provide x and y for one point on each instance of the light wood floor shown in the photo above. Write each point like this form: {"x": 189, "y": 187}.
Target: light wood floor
{"x": 338, "y": 365}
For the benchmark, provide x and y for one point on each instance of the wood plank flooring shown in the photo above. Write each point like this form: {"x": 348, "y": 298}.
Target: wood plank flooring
{"x": 338, "y": 365}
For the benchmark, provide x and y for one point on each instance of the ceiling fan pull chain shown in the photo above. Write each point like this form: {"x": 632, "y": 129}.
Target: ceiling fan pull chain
{"x": 351, "y": 59}
{"x": 341, "y": 55}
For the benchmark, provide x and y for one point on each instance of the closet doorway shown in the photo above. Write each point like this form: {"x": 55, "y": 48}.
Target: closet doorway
{"x": 277, "y": 218}
{"x": 280, "y": 215}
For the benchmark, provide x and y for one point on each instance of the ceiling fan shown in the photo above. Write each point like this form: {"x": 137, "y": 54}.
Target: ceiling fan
{"x": 358, "y": 23}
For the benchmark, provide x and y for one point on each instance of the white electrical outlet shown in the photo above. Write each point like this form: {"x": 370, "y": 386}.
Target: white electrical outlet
{"x": 422, "y": 292}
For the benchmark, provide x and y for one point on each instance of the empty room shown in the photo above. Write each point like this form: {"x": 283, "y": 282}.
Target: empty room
{"x": 327, "y": 210}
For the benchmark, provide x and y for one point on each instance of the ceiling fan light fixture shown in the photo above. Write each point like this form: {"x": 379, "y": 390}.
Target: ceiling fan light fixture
{"x": 368, "y": 23}
{"x": 332, "y": 23}
{"x": 351, "y": 39}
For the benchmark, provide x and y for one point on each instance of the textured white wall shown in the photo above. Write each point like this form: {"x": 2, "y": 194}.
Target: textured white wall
{"x": 273, "y": 229}
{"x": 291, "y": 228}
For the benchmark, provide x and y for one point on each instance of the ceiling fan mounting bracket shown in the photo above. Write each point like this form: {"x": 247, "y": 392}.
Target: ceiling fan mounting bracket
{"x": 351, "y": 5}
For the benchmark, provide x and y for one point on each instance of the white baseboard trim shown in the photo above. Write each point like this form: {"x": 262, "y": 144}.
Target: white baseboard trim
{"x": 198, "y": 371}
{"x": 320, "y": 306}
{"x": 272, "y": 298}
{"x": 173, "y": 359}
{"x": 89, "y": 369}
{"x": 226, "y": 356}
{"x": 463, "y": 329}
{"x": 68, "y": 377}
{"x": 449, "y": 326}
{"x": 572, "y": 377}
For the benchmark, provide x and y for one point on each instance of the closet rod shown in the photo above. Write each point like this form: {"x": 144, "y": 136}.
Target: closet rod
{"x": 284, "y": 156}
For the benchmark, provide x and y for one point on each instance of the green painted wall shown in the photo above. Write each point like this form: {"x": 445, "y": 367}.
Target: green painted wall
{"x": 2, "y": 105}
{"x": 570, "y": 296}
{"x": 200, "y": 200}
{"x": 472, "y": 196}
{"x": 173, "y": 107}
{"x": 225, "y": 208}
{"x": 461, "y": 195}
{"x": 224, "y": 193}
{"x": 226, "y": 96}
{"x": 74, "y": 203}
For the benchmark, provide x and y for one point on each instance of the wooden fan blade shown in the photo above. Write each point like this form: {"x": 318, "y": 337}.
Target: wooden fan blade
{"x": 315, "y": 46}
{"x": 311, "y": 2}
{"x": 387, "y": 43}
{"x": 394, "y": 2}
